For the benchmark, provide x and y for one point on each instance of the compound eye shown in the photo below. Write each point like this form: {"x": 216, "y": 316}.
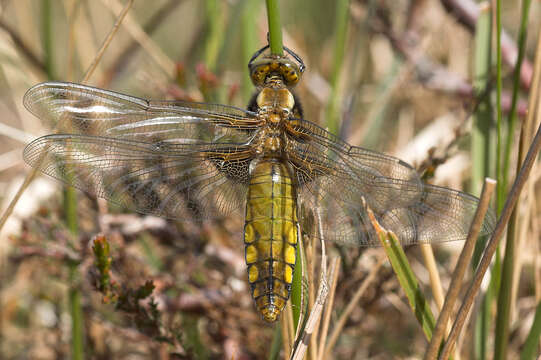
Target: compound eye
{"x": 259, "y": 73}
{"x": 290, "y": 73}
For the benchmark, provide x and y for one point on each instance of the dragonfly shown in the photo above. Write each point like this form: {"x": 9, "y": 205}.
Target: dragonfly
{"x": 283, "y": 173}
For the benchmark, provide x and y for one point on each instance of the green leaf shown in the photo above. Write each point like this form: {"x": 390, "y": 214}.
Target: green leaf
{"x": 418, "y": 303}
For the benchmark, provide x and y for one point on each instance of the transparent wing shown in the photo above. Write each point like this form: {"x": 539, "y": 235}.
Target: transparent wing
{"x": 339, "y": 179}
{"x": 169, "y": 180}
{"x": 81, "y": 109}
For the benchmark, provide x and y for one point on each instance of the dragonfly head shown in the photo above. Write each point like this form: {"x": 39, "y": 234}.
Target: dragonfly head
{"x": 269, "y": 66}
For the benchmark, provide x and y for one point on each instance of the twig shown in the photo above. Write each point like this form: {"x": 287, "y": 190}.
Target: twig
{"x": 57, "y": 252}
{"x": 431, "y": 74}
{"x": 328, "y": 309}
{"x": 15, "y": 133}
{"x": 301, "y": 344}
{"x": 351, "y": 306}
{"x": 467, "y": 13}
{"x": 107, "y": 41}
{"x": 151, "y": 26}
{"x": 135, "y": 30}
{"x": 23, "y": 48}
{"x": 303, "y": 339}
{"x": 461, "y": 266}
{"x": 493, "y": 243}
{"x": 435, "y": 280}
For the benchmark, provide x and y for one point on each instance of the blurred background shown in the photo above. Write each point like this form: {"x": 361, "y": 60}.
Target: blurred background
{"x": 407, "y": 78}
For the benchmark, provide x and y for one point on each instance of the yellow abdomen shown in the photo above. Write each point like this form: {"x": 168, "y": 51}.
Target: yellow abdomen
{"x": 270, "y": 236}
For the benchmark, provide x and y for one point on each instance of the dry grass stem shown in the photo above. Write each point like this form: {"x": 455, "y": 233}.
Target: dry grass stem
{"x": 334, "y": 272}
{"x": 137, "y": 32}
{"x": 352, "y": 304}
{"x": 37, "y": 64}
{"x": 524, "y": 215}
{"x": 120, "y": 18}
{"x": 510, "y": 203}
{"x": 301, "y": 343}
{"x": 290, "y": 326}
{"x": 435, "y": 281}
{"x": 461, "y": 266}
{"x": 534, "y": 118}
{"x": 15, "y": 134}
{"x": 286, "y": 340}
{"x": 149, "y": 27}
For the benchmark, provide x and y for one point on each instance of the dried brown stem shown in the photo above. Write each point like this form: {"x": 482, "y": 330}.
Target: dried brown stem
{"x": 510, "y": 203}
{"x": 467, "y": 13}
{"x": 335, "y": 267}
{"x": 155, "y": 21}
{"x": 23, "y": 48}
{"x": 431, "y": 74}
{"x": 352, "y": 304}
{"x": 312, "y": 323}
{"x": 460, "y": 270}
{"x": 107, "y": 41}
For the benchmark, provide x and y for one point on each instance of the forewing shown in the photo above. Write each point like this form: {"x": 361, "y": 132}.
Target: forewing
{"x": 342, "y": 180}
{"x": 80, "y": 109}
{"x": 168, "y": 180}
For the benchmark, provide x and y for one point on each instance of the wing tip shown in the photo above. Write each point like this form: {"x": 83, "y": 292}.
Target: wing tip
{"x": 29, "y": 98}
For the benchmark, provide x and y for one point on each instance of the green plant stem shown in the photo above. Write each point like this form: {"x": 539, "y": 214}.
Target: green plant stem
{"x": 532, "y": 341}
{"x": 276, "y": 344}
{"x": 406, "y": 277}
{"x": 249, "y": 41}
{"x": 215, "y": 24}
{"x": 481, "y": 145}
{"x": 516, "y": 83}
{"x": 499, "y": 173}
{"x": 340, "y": 31}
{"x": 76, "y": 316}
{"x": 482, "y": 122}
{"x": 47, "y": 38}
{"x": 508, "y": 266}
{"x": 69, "y": 201}
{"x": 275, "y": 28}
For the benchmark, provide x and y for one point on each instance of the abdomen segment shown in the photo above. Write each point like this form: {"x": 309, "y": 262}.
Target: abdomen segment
{"x": 270, "y": 236}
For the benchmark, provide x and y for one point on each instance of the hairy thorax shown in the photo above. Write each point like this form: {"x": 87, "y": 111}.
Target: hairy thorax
{"x": 275, "y": 104}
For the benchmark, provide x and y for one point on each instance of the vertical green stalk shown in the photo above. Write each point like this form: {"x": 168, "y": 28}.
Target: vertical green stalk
{"x": 481, "y": 151}
{"x": 47, "y": 37}
{"x": 532, "y": 341}
{"x": 516, "y": 83}
{"x": 340, "y": 31}
{"x": 276, "y": 344}
{"x": 249, "y": 42}
{"x": 76, "y": 315}
{"x": 215, "y": 24}
{"x": 499, "y": 173}
{"x": 482, "y": 120}
{"x": 69, "y": 200}
{"x": 275, "y": 27}
{"x": 508, "y": 268}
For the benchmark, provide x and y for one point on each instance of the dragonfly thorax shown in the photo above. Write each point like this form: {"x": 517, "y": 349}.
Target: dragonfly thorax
{"x": 275, "y": 100}
{"x": 274, "y": 106}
